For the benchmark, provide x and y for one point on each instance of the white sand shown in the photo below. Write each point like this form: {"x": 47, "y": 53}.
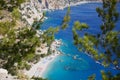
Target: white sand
{"x": 38, "y": 69}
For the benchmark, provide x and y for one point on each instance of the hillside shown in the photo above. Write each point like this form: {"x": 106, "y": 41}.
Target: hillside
{"x": 33, "y": 9}
{"x": 24, "y": 48}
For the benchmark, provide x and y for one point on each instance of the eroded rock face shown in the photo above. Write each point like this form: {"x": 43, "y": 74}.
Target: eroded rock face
{"x": 33, "y": 10}
{"x": 60, "y": 4}
{"x": 5, "y": 76}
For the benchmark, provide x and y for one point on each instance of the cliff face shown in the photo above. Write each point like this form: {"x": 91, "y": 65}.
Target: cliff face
{"x": 60, "y": 4}
{"x": 33, "y": 9}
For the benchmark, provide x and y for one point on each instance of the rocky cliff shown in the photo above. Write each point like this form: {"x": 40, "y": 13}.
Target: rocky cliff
{"x": 33, "y": 10}
{"x": 60, "y": 4}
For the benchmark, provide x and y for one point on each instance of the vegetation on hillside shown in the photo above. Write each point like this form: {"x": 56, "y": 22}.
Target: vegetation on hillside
{"x": 10, "y": 4}
{"x": 18, "y": 44}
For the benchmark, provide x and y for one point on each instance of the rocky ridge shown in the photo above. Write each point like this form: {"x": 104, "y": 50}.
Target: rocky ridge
{"x": 33, "y": 9}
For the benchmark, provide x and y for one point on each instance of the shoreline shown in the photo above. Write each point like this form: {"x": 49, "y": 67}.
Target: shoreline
{"x": 48, "y": 64}
{"x": 34, "y": 10}
{"x": 73, "y": 4}
{"x": 38, "y": 69}
{"x": 80, "y": 3}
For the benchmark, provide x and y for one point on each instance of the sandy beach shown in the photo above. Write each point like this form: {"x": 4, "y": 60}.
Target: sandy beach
{"x": 38, "y": 69}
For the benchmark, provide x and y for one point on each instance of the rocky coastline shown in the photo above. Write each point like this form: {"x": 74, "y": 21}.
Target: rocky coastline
{"x": 33, "y": 10}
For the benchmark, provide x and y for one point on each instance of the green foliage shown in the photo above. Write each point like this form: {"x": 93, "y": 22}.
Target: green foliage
{"x": 12, "y": 4}
{"x": 5, "y": 26}
{"x": 80, "y": 26}
{"x": 109, "y": 76}
{"x": 2, "y": 4}
{"x": 42, "y": 55}
{"x": 36, "y": 24}
{"x": 66, "y": 19}
{"x": 92, "y": 77}
{"x": 16, "y": 14}
{"x": 116, "y": 77}
{"x": 108, "y": 14}
{"x": 35, "y": 78}
{"x": 34, "y": 58}
{"x": 104, "y": 76}
{"x": 16, "y": 2}
{"x": 17, "y": 47}
{"x": 108, "y": 39}
{"x": 48, "y": 35}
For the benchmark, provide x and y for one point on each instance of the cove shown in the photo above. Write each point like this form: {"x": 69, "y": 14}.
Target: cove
{"x": 65, "y": 67}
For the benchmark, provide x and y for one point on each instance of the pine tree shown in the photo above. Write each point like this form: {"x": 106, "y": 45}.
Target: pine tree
{"x": 108, "y": 39}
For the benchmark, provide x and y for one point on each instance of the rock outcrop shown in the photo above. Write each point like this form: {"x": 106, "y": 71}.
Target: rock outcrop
{"x": 33, "y": 10}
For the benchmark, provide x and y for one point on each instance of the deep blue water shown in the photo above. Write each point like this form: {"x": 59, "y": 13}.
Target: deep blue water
{"x": 85, "y": 66}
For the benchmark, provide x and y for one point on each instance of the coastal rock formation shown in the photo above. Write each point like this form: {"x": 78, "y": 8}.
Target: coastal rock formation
{"x": 60, "y": 4}
{"x": 33, "y": 9}
{"x": 5, "y": 76}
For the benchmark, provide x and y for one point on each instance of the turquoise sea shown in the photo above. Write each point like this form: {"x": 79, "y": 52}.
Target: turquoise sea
{"x": 64, "y": 67}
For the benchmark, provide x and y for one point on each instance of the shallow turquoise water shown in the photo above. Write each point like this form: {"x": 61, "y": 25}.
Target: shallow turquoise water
{"x": 65, "y": 67}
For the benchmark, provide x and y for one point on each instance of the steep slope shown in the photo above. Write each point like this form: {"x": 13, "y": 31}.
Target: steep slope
{"x": 33, "y": 10}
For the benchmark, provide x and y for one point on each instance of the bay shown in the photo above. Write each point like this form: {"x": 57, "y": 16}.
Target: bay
{"x": 64, "y": 67}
